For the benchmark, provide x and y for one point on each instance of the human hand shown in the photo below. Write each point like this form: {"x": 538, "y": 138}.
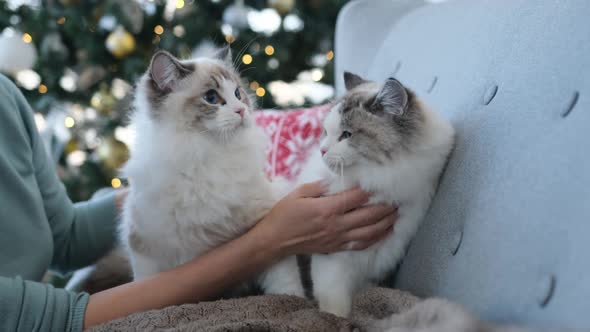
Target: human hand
{"x": 305, "y": 223}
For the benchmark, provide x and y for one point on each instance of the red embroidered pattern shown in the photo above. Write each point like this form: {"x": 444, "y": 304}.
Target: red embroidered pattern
{"x": 292, "y": 134}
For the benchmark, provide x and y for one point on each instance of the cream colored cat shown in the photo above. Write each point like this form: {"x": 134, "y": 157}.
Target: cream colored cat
{"x": 196, "y": 166}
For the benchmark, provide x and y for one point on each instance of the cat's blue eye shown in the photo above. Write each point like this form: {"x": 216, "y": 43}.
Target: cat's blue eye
{"x": 345, "y": 135}
{"x": 237, "y": 93}
{"x": 211, "y": 97}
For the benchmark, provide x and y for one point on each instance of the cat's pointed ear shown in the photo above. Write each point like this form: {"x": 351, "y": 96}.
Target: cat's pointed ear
{"x": 391, "y": 99}
{"x": 166, "y": 70}
{"x": 351, "y": 80}
{"x": 224, "y": 54}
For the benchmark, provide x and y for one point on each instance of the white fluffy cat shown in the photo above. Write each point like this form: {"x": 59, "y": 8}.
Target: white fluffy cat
{"x": 378, "y": 136}
{"x": 196, "y": 168}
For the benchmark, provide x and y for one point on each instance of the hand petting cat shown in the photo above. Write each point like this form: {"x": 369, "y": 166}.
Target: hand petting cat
{"x": 305, "y": 223}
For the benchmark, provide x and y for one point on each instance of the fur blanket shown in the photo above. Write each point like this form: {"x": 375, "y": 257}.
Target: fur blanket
{"x": 377, "y": 309}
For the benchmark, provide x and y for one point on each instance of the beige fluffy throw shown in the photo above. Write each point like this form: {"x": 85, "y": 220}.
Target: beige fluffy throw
{"x": 377, "y": 309}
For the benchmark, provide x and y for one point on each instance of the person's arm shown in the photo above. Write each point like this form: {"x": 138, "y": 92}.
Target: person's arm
{"x": 82, "y": 232}
{"x": 301, "y": 223}
{"x": 198, "y": 280}
{"x": 35, "y": 306}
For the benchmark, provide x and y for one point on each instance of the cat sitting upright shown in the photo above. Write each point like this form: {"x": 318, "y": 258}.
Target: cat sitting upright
{"x": 196, "y": 167}
{"x": 381, "y": 137}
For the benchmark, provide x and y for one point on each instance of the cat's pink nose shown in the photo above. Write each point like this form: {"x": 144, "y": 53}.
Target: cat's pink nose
{"x": 241, "y": 111}
{"x": 323, "y": 152}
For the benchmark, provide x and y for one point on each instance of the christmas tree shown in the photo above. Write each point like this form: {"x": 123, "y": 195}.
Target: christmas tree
{"x": 77, "y": 60}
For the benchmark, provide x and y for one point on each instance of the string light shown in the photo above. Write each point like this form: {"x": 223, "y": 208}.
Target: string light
{"x": 230, "y": 39}
{"x": 116, "y": 183}
{"x": 42, "y": 88}
{"x": 61, "y": 20}
{"x": 254, "y": 85}
{"x": 330, "y": 55}
{"x": 179, "y": 4}
{"x": 179, "y": 31}
{"x": 269, "y": 50}
{"x": 27, "y": 38}
{"x": 69, "y": 122}
{"x": 260, "y": 92}
{"x": 247, "y": 59}
{"x": 158, "y": 29}
{"x": 273, "y": 63}
{"x": 317, "y": 74}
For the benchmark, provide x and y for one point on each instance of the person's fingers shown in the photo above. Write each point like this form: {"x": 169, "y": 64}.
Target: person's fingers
{"x": 371, "y": 232}
{"x": 365, "y": 216}
{"x": 362, "y": 245}
{"x": 344, "y": 201}
{"x": 313, "y": 189}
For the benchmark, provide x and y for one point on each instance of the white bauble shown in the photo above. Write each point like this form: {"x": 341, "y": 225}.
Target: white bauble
{"x": 15, "y": 54}
{"x": 236, "y": 15}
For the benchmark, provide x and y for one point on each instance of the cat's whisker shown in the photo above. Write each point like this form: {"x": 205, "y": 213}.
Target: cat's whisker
{"x": 204, "y": 131}
{"x": 227, "y": 135}
{"x": 245, "y": 69}
{"x": 242, "y": 51}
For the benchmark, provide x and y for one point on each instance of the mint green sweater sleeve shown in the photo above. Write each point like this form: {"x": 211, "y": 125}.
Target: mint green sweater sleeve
{"x": 40, "y": 228}
{"x": 34, "y": 306}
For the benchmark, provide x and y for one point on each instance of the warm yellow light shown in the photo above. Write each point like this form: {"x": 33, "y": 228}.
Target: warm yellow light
{"x": 158, "y": 29}
{"x": 42, "y": 88}
{"x": 269, "y": 50}
{"x": 254, "y": 85}
{"x": 61, "y": 20}
{"x": 247, "y": 59}
{"x": 179, "y": 4}
{"x": 230, "y": 39}
{"x": 116, "y": 183}
{"x": 330, "y": 55}
{"x": 260, "y": 92}
{"x": 69, "y": 122}
{"x": 27, "y": 38}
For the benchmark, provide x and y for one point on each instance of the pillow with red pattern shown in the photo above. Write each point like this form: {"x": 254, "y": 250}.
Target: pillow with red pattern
{"x": 292, "y": 135}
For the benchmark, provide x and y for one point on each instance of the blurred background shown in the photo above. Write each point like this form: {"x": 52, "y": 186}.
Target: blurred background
{"x": 76, "y": 62}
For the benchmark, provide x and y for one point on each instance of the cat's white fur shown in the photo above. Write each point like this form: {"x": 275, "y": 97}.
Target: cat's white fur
{"x": 408, "y": 181}
{"x": 191, "y": 192}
